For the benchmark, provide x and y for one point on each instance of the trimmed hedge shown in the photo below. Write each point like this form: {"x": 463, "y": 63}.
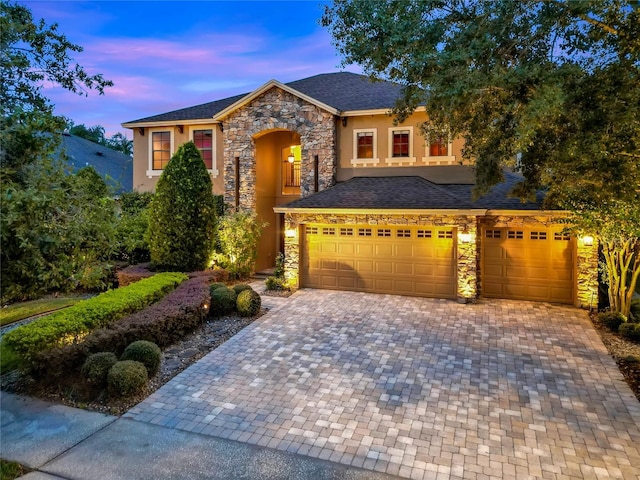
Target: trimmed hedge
{"x": 223, "y": 301}
{"x": 163, "y": 323}
{"x": 145, "y": 352}
{"x": 70, "y": 325}
{"x": 97, "y": 366}
{"x": 134, "y": 273}
{"x": 241, "y": 287}
{"x": 126, "y": 378}
{"x": 611, "y": 320}
{"x": 248, "y": 303}
{"x": 630, "y": 331}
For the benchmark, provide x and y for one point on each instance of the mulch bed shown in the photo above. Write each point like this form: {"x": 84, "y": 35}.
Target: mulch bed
{"x": 624, "y": 352}
{"x": 75, "y": 393}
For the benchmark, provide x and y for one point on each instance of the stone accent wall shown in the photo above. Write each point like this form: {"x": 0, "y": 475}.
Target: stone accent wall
{"x": 587, "y": 273}
{"x": 466, "y": 253}
{"x": 292, "y": 251}
{"x": 278, "y": 110}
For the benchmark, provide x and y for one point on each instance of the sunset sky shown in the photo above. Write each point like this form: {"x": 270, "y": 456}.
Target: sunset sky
{"x": 165, "y": 55}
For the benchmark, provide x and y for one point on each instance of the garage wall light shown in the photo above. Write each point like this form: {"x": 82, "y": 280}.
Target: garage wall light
{"x": 587, "y": 240}
{"x": 290, "y": 233}
{"x": 464, "y": 237}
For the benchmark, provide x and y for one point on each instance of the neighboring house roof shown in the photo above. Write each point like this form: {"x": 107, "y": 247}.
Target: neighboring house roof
{"x": 342, "y": 91}
{"x": 414, "y": 193}
{"x": 115, "y": 167}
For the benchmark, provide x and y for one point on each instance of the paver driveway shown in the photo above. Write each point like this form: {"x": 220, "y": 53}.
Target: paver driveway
{"x": 415, "y": 387}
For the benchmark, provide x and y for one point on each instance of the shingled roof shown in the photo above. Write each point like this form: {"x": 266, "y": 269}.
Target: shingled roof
{"x": 416, "y": 193}
{"x": 115, "y": 167}
{"x": 343, "y": 91}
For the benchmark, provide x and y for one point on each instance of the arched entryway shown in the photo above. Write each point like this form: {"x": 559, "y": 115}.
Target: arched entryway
{"x": 278, "y": 161}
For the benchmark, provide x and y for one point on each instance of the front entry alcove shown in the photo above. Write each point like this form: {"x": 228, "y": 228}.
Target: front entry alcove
{"x": 277, "y": 183}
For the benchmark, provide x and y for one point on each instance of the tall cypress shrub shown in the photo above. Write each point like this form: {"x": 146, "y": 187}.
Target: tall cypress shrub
{"x": 182, "y": 216}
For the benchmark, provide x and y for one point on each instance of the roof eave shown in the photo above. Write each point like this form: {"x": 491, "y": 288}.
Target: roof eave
{"x": 523, "y": 213}
{"x": 374, "y": 111}
{"x": 164, "y": 123}
{"x": 382, "y": 211}
{"x": 267, "y": 86}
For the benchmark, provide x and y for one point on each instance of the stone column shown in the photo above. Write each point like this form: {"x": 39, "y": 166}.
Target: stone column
{"x": 587, "y": 274}
{"x": 467, "y": 260}
{"x": 292, "y": 239}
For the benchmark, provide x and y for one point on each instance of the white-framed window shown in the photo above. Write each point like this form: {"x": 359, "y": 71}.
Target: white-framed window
{"x": 439, "y": 151}
{"x": 160, "y": 150}
{"x": 365, "y": 147}
{"x": 204, "y": 139}
{"x": 400, "y": 146}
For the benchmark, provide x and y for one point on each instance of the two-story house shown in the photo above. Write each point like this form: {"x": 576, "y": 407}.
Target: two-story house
{"x": 357, "y": 202}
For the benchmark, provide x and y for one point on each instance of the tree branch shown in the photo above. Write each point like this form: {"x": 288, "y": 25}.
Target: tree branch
{"x": 598, "y": 23}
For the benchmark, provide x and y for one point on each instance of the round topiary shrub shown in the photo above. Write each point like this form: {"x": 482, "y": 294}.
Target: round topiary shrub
{"x": 96, "y": 367}
{"x": 147, "y": 353}
{"x": 126, "y": 378}
{"x": 248, "y": 303}
{"x": 223, "y": 301}
{"x": 630, "y": 331}
{"x": 241, "y": 287}
{"x": 215, "y": 286}
{"x": 611, "y": 320}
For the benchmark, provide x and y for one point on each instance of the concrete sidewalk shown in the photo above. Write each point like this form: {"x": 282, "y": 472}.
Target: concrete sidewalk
{"x": 69, "y": 443}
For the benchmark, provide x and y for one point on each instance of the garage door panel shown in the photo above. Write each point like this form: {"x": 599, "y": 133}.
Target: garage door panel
{"x": 365, "y": 267}
{"x": 404, "y": 268}
{"x": 531, "y": 267}
{"x": 385, "y": 259}
{"x": 384, "y": 267}
{"x": 365, "y": 250}
{"x": 346, "y": 249}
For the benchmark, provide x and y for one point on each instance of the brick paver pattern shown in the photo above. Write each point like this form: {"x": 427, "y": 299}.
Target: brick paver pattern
{"x": 415, "y": 387}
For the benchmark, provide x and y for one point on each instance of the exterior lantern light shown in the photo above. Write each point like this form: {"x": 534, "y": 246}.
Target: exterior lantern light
{"x": 290, "y": 233}
{"x": 587, "y": 240}
{"x": 465, "y": 237}
{"x": 291, "y": 158}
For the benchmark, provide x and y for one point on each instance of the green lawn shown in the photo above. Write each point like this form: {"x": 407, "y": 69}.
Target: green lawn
{"x": 11, "y": 470}
{"x": 19, "y": 311}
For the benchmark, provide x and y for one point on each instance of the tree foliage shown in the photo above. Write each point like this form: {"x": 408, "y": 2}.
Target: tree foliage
{"x": 96, "y": 134}
{"x": 238, "y": 237}
{"x": 182, "y": 216}
{"x": 550, "y": 87}
{"x": 57, "y": 230}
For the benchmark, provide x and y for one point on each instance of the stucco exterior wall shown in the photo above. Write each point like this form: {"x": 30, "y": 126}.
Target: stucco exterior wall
{"x": 382, "y": 123}
{"x": 143, "y": 182}
{"x": 277, "y": 110}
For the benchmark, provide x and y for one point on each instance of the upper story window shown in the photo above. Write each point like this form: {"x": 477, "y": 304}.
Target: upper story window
{"x": 203, "y": 140}
{"x": 400, "y": 143}
{"x": 400, "y": 146}
{"x": 365, "y": 147}
{"x": 365, "y": 144}
{"x": 439, "y": 147}
{"x": 439, "y": 151}
{"x": 160, "y": 149}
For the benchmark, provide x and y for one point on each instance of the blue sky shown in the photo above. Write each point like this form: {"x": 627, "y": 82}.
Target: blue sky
{"x": 165, "y": 55}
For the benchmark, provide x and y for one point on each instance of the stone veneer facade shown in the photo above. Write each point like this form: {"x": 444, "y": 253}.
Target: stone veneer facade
{"x": 278, "y": 110}
{"x": 467, "y": 253}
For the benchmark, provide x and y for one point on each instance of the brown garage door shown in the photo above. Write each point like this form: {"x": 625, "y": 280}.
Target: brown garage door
{"x": 527, "y": 264}
{"x": 401, "y": 260}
